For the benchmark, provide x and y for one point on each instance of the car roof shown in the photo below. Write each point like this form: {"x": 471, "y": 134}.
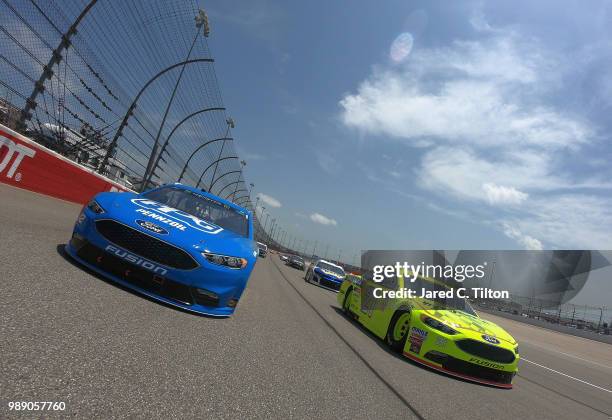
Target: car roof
{"x": 330, "y": 263}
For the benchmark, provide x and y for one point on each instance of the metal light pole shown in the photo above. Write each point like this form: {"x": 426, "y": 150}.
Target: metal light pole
{"x": 235, "y": 199}
{"x": 226, "y": 186}
{"x": 314, "y": 248}
{"x": 56, "y": 58}
{"x": 197, "y": 150}
{"x": 221, "y": 177}
{"x": 230, "y": 124}
{"x": 211, "y": 165}
{"x": 256, "y": 218}
{"x": 201, "y": 20}
{"x": 132, "y": 106}
{"x": 272, "y": 226}
{"x": 242, "y": 165}
{"x": 266, "y": 222}
{"x": 174, "y": 130}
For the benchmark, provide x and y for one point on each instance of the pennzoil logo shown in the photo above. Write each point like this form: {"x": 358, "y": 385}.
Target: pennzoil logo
{"x": 13, "y": 149}
{"x": 152, "y": 227}
{"x": 174, "y": 217}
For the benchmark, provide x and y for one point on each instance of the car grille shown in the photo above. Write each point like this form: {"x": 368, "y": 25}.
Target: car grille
{"x": 328, "y": 283}
{"x": 486, "y": 351}
{"x": 145, "y": 245}
{"x": 135, "y": 275}
{"x": 476, "y": 371}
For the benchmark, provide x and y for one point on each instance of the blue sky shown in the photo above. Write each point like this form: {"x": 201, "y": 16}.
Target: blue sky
{"x": 420, "y": 125}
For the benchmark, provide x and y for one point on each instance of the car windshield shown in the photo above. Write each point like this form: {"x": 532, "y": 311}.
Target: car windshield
{"x": 455, "y": 302}
{"x": 300, "y": 259}
{"x": 336, "y": 270}
{"x": 202, "y": 207}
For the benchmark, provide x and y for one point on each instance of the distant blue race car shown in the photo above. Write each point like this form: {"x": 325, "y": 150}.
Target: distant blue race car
{"x": 174, "y": 243}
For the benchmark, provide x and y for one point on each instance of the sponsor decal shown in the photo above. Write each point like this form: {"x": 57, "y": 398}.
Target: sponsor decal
{"x": 162, "y": 219}
{"x": 174, "y": 216}
{"x": 490, "y": 339}
{"x": 136, "y": 260}
{"x": 419, "y": 332}
{"x": 485, "y": 363}
{"x": 441, "y": 341}
{"x": 327, "y": 273}
{"x": 13, "y": 149}
{"x": 417, "y": 336}
{"x": 152, "y": 227}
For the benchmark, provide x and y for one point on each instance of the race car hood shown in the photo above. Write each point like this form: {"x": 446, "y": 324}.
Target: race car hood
{"x": 174, "y": 226}
{"x": 328, "y": 273}
{"x": 467, "y": 323}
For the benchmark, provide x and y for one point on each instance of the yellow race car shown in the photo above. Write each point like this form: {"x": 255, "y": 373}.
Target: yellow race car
{"x": 444, "y": 334}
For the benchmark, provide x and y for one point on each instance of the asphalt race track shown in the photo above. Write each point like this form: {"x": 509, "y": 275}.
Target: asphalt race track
{"x": 69, "y": 335}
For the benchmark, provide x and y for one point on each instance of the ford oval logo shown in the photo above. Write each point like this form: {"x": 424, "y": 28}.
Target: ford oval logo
{"x": 152, "y": 227}
{"x": 490, "y": 339}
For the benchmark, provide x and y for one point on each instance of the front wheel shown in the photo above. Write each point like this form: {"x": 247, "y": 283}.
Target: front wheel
{"x": 398, "y": 331}
{"x": 347, "y": 302}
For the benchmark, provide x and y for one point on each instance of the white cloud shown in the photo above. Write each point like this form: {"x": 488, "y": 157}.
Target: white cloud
{"x": 394, "y": 174}
{"x": 528, "y": 242}
{"x": 328, "y": 163}
{"x": 323, "y": 220}
{"x": 478, "y": 98}
{"x": 481, "y": 112}
{"x": 578, "y": 221}
{"x": 498, "y": 194}
{"x": 269, "y": 200}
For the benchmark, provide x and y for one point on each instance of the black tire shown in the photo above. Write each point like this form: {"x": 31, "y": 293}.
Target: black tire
{"x": 345, "y": 302}
{"x": 395, "y": 344}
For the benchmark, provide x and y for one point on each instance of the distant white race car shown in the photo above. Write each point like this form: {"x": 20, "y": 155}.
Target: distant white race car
{"x": 325, "y": 274}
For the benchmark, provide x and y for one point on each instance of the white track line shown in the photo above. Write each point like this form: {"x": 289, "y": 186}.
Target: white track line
{"x": 565, "y": 374}
{"x": 567, "y": 354}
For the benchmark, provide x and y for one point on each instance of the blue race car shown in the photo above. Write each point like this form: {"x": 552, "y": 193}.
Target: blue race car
{"x": 325, "y": 274}
{"x": 175, "y": 243}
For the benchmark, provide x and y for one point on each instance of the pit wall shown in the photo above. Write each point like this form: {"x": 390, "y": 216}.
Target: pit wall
{"x": 28, "y": 165}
